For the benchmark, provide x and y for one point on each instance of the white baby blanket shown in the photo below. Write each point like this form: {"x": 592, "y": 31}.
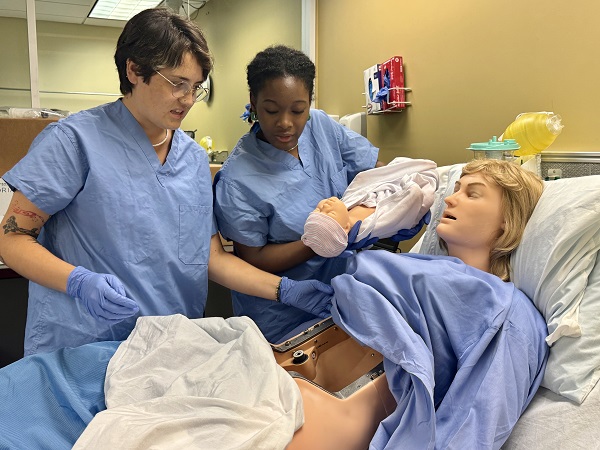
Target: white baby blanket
{"x": 401, "y": 192}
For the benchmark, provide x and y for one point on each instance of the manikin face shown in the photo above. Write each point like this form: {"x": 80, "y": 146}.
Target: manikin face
{"x": 153, "y": 104}
{"x": 282, "y": 107}
{"x": 335, "y": 208}
{"x": 473, "y": 216}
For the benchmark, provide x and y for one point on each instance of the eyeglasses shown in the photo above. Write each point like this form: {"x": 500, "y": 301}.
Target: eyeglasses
{"x": 183, "y": 88}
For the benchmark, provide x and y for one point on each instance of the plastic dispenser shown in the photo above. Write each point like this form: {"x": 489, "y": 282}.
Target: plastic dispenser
{"x": 356, "y": 122}
{"x": 495, "y": 149}
{"x": 534, "y": 131}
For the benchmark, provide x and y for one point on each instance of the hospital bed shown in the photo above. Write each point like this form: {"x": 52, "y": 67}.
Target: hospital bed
{"x": 556, "y": 266}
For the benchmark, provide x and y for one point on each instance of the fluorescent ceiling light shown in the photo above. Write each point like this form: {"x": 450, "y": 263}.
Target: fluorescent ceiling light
{"x": 120, "y": 9}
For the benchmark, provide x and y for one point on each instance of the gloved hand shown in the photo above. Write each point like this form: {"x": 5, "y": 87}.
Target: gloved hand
{"x": 363, "y": 243}
{"x": 311, "y": 296}
{"x": 404, "y": 235}
{"x": 102, "y": 294}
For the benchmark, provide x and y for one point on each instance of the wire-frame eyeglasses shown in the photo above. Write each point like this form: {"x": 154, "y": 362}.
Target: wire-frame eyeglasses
{"x": 183, "y": 88}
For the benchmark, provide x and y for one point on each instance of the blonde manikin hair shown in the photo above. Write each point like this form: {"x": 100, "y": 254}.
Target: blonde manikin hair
{"x": 521, "y": 190}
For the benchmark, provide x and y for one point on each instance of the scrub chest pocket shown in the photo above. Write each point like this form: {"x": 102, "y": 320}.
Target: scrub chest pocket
{"x": 339, "y": 182}
{"x": 195, "y": 226}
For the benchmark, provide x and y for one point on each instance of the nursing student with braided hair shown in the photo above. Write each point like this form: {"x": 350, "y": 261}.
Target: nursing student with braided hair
{"x": 292, "y": 158}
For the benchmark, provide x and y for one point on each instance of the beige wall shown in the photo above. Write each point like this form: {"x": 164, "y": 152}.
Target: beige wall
{"x": 80, "y": 58}
{"x": 70, "y": 57}
{"x": 472, "y": 65}
{"x": 236, "y": 30}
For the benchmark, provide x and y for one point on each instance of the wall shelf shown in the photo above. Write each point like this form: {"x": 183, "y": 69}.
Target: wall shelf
{"x": 389, "y": 110}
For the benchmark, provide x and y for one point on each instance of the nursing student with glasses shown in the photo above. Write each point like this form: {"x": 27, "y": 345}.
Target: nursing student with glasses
{"x": 111, "y": 216}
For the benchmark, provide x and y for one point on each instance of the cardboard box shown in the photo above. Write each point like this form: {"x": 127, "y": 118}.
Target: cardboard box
{"x": 371, "y": 78}
{"x": 16, "y": 135}
{"x": 5, "y": 197}
{"x": 393, "y": 71}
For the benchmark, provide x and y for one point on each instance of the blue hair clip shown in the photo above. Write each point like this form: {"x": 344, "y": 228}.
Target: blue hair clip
{"x": 246, "y": 113}
{"x": 255, "y": 128}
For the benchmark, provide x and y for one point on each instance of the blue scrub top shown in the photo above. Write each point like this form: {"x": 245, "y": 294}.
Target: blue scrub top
{"x": 264, "y": 195}
{"x": 115, "y": 209}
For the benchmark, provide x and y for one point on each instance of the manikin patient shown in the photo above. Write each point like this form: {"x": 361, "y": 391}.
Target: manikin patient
{"x": 485, "y": 218}
{"x": 379, "y": 202}
{"x": 464, "y": 349}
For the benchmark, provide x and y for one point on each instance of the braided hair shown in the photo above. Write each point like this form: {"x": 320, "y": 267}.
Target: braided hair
{"x": 280, "y": 61}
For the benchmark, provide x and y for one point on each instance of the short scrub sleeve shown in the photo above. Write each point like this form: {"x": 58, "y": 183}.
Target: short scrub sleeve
{"x": 239, "y": 215}
{"x": 52, "y": 172}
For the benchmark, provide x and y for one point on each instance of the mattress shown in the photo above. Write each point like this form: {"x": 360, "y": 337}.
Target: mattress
{"x": 552, "y": 421}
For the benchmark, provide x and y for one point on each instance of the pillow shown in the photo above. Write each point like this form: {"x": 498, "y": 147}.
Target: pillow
{"x": 556, "y": 266}
{"x": 574, "y": 363}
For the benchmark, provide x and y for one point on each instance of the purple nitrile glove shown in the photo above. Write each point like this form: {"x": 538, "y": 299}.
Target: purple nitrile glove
{"x": 404, "y": 235}
{"x": 311, "y": 296}
{"x": 102, "y": 294}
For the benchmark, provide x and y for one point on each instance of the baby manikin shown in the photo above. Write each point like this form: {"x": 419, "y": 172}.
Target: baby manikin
{"x": 386, "y": 199}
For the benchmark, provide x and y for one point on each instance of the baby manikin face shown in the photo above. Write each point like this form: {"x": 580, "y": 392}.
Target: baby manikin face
{"x": 336, "y": 209}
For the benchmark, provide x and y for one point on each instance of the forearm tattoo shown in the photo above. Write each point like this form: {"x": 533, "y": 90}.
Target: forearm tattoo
{"x": 11, "y": 227}
{"x": 29, "y": 214}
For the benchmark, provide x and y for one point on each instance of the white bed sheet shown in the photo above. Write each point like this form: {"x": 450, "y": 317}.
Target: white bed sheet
{"x": 221, "y": 388}
{"x": 553, "y": 422}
